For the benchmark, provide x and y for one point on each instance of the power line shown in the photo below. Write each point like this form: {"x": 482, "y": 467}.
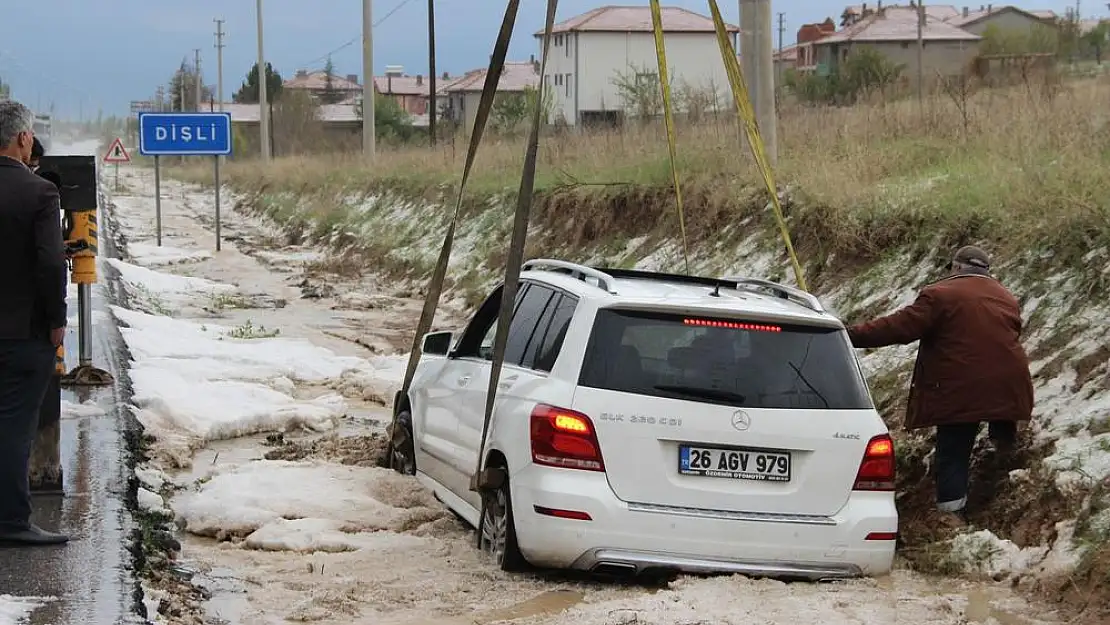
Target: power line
{"x": 357, "y": 38}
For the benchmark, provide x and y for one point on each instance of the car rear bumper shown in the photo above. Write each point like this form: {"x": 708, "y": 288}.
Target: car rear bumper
{"x": 633, "y": 538}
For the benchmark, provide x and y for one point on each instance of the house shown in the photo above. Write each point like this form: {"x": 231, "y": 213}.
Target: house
{"x": 784, "y": 59}
{"x": 316, "y": 83}
{"x": 412, "y": 93}
{"x": 892, "y": 31}
{"x": 338, "y": 121}
{"x": 807, "y": 35}
{"x": 856, "y": 12}
{"x": 463, "y": 94}
{"x": 1005, "y": 18}
{"x": 593, "y": 52}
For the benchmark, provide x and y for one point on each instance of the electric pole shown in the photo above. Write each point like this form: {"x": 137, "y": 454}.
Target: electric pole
{"x": 368, "y": 138}
{"x": 757, "y": 46}
{"x": 220, "y": 62}
{"x": 196, "y": 67}
{"x": 432, "y": 71}
{"x": 263, "y": 97}
{"x": 778, "y": 69}
{"x": 921, "y": 56}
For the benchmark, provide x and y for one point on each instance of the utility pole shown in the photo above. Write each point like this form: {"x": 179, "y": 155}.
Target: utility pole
{"x": 757, "y": 53}
{"x": 263, "y": 97}
{"x": 196, "y": 67}
{"x": 368, "y": 138}
{"x": 778, "y": 69}
{"x": 220, "y": 62}
{"x": 432, "y": 71}
{"x": 921, "y": 57}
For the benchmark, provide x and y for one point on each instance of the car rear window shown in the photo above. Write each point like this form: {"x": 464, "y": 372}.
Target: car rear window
{"x": 748, "y": 364}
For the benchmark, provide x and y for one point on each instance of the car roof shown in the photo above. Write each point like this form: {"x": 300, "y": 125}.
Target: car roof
{"x": 670, "y": 292}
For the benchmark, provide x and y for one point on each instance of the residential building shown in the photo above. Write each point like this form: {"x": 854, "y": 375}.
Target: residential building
{"x": 462, "y": 95}
{"x": 856, "y": 12}
{"x": 592, "y": 53}
{"x": 784, "y": 59}
{"x": 1005, "y": 18}
{"x": 893, "y": 32}
{"x": 316, "y": 83}
{"x": 411, "y": 93}
{"x": 807, "y": 35}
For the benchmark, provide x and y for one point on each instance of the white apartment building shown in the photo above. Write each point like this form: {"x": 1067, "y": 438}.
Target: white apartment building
{"x": 591, "y": 53}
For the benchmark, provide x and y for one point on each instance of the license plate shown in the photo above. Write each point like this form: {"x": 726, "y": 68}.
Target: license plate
{"x": 737, "y": 464}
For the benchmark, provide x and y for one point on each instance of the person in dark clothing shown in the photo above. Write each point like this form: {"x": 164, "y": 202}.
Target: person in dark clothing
{"x": 32, "y": 319}
{"x": 971, "y": 368}
{"x": 37, "y": 152}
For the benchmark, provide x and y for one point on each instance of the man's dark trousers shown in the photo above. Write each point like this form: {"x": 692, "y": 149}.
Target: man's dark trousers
{"x": 25, "y": 369}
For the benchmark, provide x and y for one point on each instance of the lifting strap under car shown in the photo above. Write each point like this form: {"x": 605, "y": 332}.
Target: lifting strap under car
{"x": 516, "y": 246}
{"x": 435, "y": 285}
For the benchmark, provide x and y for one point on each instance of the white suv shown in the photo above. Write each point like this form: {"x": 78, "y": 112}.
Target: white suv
{"x": 651, "y": 421}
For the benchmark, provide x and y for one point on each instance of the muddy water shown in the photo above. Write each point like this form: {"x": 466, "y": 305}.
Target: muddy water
{"x": 980, "y": 609}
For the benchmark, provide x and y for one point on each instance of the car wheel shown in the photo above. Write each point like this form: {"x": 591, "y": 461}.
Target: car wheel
{"x": 402, "y": 448}
{"x": 497, "y": 532}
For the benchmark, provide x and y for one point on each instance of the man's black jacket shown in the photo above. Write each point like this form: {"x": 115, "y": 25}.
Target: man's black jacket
{"x": 32, "y": 261}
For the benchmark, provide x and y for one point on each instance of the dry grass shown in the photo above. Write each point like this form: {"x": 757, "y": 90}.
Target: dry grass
{"x": 1026, "y": 169}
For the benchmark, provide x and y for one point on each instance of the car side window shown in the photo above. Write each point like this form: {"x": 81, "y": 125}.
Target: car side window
{"x": 547, "y": 350}
{"x": 477, "y": 339}
{"x": 527, "y": 317}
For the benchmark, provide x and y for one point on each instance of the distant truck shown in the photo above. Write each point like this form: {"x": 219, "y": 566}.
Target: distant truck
{"x": 43, "y": 128}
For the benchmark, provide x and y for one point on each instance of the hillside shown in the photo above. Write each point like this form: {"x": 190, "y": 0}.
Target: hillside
{"x": 877, "y": 197}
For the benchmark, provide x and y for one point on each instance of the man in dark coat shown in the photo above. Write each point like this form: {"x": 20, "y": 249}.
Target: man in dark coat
{"x": 32, "y": 318}
{"x": 971, "y": 368}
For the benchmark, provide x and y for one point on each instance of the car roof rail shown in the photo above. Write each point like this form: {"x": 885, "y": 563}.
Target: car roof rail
{"x": 799, "y": 296}
{"x": 605, "y": 281}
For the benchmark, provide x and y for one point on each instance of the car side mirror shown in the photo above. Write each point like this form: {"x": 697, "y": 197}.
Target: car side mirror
{"x": 436, "y": 343}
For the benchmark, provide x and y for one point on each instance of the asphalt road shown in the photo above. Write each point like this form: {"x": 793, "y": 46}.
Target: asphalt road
{"x": 90, "y": 576}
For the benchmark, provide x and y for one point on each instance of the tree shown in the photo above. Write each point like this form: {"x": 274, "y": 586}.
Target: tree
{"x": 1095, "y": 40}
{"x": 390, "y": 120}
{"x": 330, "y": 95}
{"x": 5, "y": 90}
{"x": 865, "y": 70}
{"x": 183, "y": 89}
{"x": 248, "y": 92}
{"x": 639, "y": 92}
{"x": 512, "y": 109}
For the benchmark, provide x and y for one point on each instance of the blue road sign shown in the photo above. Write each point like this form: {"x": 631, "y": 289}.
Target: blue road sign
{"x": 184, "y": 134}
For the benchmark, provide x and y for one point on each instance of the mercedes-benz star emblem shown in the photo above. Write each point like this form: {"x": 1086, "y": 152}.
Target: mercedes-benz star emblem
{"x": 741, "y": 421}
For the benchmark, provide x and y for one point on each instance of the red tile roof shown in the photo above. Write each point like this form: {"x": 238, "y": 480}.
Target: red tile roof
{"x": 636, "y": 19}
{"x": 515, "y": 76}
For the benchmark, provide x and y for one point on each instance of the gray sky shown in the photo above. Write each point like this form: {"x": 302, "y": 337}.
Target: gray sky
{"x": 85, "y": 55}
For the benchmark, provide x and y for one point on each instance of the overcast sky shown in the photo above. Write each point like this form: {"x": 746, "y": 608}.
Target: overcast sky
{"x": 85, "y": 55}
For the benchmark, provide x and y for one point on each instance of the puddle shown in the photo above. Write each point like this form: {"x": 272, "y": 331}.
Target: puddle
{"x": 550, "y": 602}
{"x": 980, "y": 610}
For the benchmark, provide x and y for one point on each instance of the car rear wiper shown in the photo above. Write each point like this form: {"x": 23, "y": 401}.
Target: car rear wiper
{"x": 702, "y": 392}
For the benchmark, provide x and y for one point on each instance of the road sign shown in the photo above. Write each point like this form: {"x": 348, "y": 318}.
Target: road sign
{"x": 185, "y": 134}
{"x": 117, "y": 153}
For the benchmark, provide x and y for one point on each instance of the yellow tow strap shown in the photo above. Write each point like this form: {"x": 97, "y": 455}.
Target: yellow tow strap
{"x": 668, "y": 116}
{"x": 755, "y": 141}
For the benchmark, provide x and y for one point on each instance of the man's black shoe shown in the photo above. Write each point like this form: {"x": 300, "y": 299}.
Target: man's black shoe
{"x": 31, "y": 537}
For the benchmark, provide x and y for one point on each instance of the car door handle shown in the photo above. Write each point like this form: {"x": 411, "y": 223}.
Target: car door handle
{"x": 507, "y": 382}
{"x": 464, "y": 380}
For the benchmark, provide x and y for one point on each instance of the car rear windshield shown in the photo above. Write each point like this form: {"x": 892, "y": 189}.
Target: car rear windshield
{"x": 748, "y": 364}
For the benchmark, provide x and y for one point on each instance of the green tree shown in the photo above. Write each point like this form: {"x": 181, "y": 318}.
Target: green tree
{"x": 330, "y": 95}
{"x": 1095, "y": 40}
{"x": 5, "y": 90}
{"x": 511, "y": 110}
{"x": 391, "y": 122}
{"x": 183, "y": 89}
{"x": 1034, "y": 40}
{"x": 248, "y": 91}
{"x": 865, "y": 70}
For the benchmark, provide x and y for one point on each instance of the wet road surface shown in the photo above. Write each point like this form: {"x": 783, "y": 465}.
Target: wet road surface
{"x": 89, "y": 577}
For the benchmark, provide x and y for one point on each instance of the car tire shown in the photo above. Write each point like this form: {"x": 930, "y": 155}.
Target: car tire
{"x": 402, "y": 448}
{"x": 497, "y": 530}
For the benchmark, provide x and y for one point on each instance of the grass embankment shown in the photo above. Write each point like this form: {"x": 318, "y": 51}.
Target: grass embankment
{"x": 1022, "y": 170}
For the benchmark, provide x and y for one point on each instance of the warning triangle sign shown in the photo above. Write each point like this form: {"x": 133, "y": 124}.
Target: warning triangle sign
{"x": 117, "y": 153}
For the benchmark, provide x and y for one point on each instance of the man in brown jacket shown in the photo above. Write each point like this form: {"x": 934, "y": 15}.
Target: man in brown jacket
{"x": 970, "y": 368}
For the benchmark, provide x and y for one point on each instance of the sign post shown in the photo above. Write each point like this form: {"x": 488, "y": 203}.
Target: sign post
{"x": 184, "y": 134}
{"x": 117, "y": 154}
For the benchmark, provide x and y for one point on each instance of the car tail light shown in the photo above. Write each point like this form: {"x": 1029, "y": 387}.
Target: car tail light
{"x": 876, "y": 470}
{"x": 564, "y": 438}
